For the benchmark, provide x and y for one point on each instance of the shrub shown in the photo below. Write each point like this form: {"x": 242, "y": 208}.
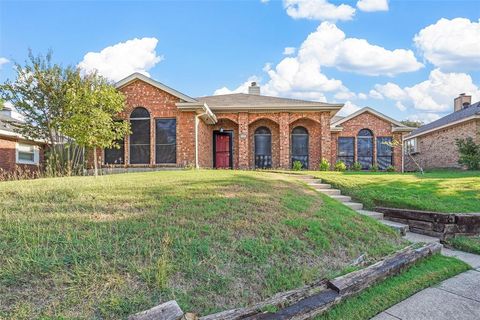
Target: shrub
{"x": 340, "y": 166}
{"x": 469, "y": 153}
{"x": 390, "y": 169}
{"x": 374, "y": 167}
{"x": 324, "y": 165}
{"x": 356, "y": 166}
{"x": 297, "y": 165}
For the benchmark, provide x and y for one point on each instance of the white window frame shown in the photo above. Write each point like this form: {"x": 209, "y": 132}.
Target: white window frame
{"x": 25, "y": 147}
{"x": 411, "y": 146}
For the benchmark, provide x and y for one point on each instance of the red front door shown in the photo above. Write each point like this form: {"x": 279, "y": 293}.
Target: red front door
{"x": 222, "y": 151}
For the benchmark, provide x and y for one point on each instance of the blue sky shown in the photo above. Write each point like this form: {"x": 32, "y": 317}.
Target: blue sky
{"x": 408, "y": 59}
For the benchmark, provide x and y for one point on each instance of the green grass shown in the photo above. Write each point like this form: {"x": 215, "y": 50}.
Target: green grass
{"x": 393, "y": 290}
{"x": 86, "y": 248}
{"x": 442, "y": 191}
{"x": 463, "y": 243}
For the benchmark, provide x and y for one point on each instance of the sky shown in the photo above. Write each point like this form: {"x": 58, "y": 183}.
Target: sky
{"x": 406, "y": 58}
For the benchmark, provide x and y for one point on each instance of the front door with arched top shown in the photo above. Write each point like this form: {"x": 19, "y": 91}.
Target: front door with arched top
{"x": 263, "y": 148}
{"x": 299, "y": 140}
{"x": 365, "y": 148}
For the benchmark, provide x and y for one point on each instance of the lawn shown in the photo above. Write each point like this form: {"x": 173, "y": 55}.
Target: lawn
{"x": 104, "y": 248}
{"x": 442, "y": 191}
{"x": 464, "y": 243}
{"x": 393, "y": 290}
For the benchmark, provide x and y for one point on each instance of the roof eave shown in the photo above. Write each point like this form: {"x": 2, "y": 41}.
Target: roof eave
{"x": 138, "y": 76}
{"x": 473, "y": 117}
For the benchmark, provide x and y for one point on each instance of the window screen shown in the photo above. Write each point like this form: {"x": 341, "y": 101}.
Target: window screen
{"x": 140, "y": 136}
{"x": 115, "y": 155}
{"x": 365, "y": 148}
{"x": 384, "y": 152}
{"x": 263, "y": 148}
{"x": 166, "y": 141}
{"x": 346, "y": 150}
{"x": 300, "y": 146}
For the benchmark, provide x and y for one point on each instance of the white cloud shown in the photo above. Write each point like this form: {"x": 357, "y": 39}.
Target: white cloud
{"x": 433, "y": 95}
{"x": 288, "y": 51}
{"x": 122, "y": 59}
{"x": 400, "y": 106}
{"x": 348, "y": 109}
{"x": 391, "y": 91}
{"x": 362, "y": 96}
{"x": 424, "y": 117}
{"x": 264, "y": 1}
{"x": 452, "y": 45}
{"x": 374, "y": 94}
{"x": 301, "y": 75}
{"x": 372, "y": 5}
{"x": 243, "y": 88}
{"x": 318, "y": 10}
{"x": 3, "y": 61}
{"x": 330, "y": 47}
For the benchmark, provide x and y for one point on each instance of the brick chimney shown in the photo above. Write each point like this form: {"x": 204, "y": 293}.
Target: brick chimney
{"x": 462, "y": 101}
{"x": 254, "y": 88}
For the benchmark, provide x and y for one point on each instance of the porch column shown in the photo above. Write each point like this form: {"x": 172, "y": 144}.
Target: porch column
{"x": 243, "y": 140}
{"x": 284, "y": 133}
{"x": 326, "y": 137}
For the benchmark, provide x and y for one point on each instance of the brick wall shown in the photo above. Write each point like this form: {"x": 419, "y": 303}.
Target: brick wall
{"x": 379, "y": 127}
{"x": 8, "y": 156}
{"x": 159, "y": 104}
{"x": 438, "y": 149}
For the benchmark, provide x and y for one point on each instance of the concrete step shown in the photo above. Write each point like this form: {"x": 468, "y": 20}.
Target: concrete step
{"x": 341, "y": 198}
{"x": 304, "y": 176}
{"x": 354, "y": 205}
{"x": 372, "y": 214}
{"x": 400, "y": 227}
{"x": 320, "y": 185}
{"x": 330, "y": 192}
{"x": 416, "y": 237}
{"x": 313, "y": 180}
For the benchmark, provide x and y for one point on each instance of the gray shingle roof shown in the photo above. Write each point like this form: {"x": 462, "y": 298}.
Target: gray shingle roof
{"x": 255, "y": 100}
{"x": 471, "y": 110}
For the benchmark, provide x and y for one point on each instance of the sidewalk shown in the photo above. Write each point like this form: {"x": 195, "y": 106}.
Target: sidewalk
{"x": 457, "y": 298}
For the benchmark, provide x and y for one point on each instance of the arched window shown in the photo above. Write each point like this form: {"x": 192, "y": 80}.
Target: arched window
{"x": 299, "y": 140}
{"x": 365, "y": 148}
{"x": 140, "y": 137}
{"x": 263, "y": 148}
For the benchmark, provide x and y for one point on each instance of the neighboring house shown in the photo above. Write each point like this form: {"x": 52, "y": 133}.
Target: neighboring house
{"x": 433, "y": 145}
{"x": 171, "y": 129}
{"x": 15, "y": 150}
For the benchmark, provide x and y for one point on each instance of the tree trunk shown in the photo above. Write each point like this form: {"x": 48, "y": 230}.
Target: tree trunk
{"x": 95, "y": 165}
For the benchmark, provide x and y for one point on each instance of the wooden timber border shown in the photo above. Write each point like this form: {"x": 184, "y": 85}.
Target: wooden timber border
{"x": 434, "y": 224}
{"x": 309, "y": 301}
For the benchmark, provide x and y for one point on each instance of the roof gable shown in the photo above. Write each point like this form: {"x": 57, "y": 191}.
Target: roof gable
{"x": 375, "y": 113}
{"x": 159, "y": 85}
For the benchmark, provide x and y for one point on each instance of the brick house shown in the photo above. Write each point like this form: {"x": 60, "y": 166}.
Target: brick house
{"x": 433, "y": 145}
{"x": 16, "y": 152}
{"x": 171, "y": 129}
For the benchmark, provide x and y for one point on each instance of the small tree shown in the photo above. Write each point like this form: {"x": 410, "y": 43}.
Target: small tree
{"x": 412, "y": 123}
{"x": 39, "y": 95}
{"x": 396, "y": 143}
{"x": 469, "y": 153}
{"x": 92, "y": 105}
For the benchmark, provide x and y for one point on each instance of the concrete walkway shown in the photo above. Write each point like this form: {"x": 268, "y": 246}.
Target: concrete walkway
{"x": 457, "y": 298}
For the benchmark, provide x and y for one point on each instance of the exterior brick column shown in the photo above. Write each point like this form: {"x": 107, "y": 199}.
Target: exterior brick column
{"x": 243, "y": 151}
{"x": 284, "y": 135}
{"x": 326, "y": 137}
